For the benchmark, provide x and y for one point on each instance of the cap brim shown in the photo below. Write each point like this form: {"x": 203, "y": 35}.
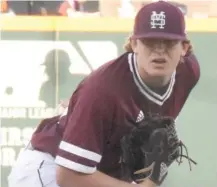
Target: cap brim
{"x": 160, "y": 35}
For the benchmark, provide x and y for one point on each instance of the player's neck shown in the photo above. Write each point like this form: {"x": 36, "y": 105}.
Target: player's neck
{"x": 157, "y": 84}
{"x": 157, "y": 81}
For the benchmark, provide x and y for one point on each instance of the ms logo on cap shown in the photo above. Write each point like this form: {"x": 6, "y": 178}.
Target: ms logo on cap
{"x": 158, "y": 20}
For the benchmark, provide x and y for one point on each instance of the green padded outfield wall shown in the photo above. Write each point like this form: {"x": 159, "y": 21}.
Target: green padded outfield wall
{"x": 40, "y": 68}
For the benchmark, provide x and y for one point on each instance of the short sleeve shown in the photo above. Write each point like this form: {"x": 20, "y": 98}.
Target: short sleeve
{"x": 86, "y": 130}
{"x": 195, "y": 68}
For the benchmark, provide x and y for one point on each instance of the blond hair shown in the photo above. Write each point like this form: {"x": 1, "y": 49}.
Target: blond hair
{"x": 128, "y": 46}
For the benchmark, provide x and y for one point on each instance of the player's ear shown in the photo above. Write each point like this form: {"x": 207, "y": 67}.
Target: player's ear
{"x": 134, "y": 45}
{"x": 185, "y": 47}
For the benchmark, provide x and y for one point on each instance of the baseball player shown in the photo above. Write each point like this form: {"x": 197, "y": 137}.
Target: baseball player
{"x": 86, "y": 145}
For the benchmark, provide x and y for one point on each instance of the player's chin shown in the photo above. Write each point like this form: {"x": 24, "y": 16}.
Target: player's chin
{"x": 158, "y": 72}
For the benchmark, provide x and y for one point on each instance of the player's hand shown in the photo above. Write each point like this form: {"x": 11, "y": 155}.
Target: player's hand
{"x": 147, "y": 183}
{"x": 158, "y": 169}
{"x": 149, "y": 149}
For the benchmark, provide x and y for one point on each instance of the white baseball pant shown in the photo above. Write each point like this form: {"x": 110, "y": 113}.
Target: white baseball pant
{"x": 33, "y": 169}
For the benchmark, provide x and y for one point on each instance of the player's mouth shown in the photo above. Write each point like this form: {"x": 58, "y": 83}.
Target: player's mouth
{"x": 159, "y": 61}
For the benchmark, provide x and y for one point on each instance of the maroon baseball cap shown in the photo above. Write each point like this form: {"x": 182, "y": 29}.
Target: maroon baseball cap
{"x": 159, "y": 20}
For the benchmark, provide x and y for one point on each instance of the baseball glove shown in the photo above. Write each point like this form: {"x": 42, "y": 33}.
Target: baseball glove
{"x": 150, "y": 149}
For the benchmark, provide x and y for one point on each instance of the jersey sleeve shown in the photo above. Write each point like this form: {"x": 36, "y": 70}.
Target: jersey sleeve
{"x": 194, "y": 68}
{"x": 86, "y": 130}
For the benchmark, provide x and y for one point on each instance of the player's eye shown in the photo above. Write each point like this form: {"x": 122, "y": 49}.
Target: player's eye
{"x": 152, "y": 43}
{"x": 171, "y": 43}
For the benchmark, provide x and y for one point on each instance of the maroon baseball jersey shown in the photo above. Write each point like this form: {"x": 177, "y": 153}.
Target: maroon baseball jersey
{"x": 105, "y": 106}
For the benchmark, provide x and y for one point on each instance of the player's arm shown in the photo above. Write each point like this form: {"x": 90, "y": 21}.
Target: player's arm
{"x": 83, "y": 142}
{"x": 191, "y": 76}
{"x": 69, "y": 178}
{"x": 194, "y": 66}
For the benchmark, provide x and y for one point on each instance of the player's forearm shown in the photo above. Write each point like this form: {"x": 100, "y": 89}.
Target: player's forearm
{"x": 67, "y": 178}
{"x": 148, "y": 183}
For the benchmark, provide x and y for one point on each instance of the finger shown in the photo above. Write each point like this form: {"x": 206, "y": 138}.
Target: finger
{"x": 140, "y": 180}
{"x": 144, "y": 170}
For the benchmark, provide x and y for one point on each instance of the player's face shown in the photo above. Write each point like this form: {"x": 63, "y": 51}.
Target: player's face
{"x": 158, "y": 57}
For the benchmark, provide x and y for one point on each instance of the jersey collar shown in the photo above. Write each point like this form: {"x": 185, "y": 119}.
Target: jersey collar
{"x": 144, "y": 89}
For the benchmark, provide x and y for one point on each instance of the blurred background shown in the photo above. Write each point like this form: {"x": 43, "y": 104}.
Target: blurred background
{"x": 48, "y": 47}
{"x": 114, "y": 8}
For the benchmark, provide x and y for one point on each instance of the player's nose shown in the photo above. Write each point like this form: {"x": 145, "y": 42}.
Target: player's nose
{"x": 159, "y": 46}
